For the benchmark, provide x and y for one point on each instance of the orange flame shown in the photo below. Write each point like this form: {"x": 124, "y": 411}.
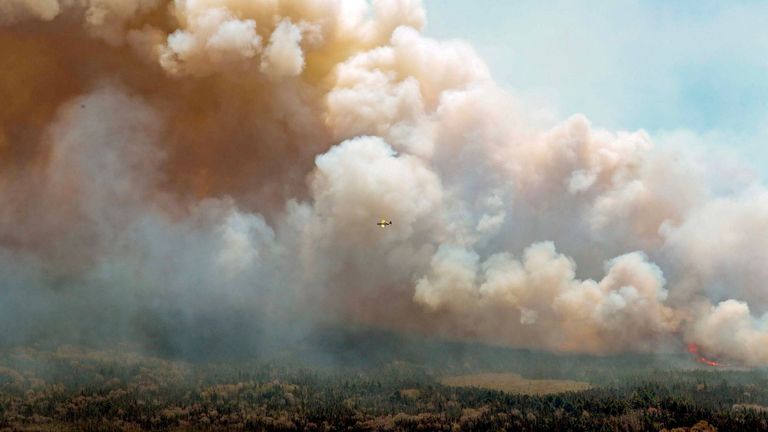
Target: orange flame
{"x": 694, "y": 349}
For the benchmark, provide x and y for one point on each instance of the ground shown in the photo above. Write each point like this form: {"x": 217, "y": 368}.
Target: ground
{"x": 514, "y": 383}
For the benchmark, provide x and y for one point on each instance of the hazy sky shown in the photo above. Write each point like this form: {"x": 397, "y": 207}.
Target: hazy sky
{"x": 693, "y": 66}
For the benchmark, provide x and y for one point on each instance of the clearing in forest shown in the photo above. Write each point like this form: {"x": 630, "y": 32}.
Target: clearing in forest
{"x": 514, "y": 383}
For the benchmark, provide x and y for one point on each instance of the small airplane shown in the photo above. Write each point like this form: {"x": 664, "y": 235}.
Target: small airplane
{"x": 382, "y": 223}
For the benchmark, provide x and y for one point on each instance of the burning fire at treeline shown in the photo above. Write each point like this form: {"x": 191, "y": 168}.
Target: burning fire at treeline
{"x": 177, "y": 168}
{"x": 694, "y": 349}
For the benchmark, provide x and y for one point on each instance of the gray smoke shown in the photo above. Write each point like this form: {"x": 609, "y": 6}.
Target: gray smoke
{"x": 215, "y": 168}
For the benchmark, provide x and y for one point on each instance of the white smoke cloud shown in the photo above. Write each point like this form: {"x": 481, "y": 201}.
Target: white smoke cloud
{"x": 283, "y": 56}
{"x": 720, "y": 250}
{"x": 242, "y": 162}
{"x": 728, "y": 330}
{"x": 17, "y": 10}
{"x": 214, "y": 37}
{"x": 511, "y": 301}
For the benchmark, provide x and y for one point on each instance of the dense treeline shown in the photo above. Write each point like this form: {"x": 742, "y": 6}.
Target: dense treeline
{"x": 111, "y": 391}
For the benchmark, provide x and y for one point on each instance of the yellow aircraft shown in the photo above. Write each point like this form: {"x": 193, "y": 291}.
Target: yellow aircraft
{"x": 382, "y": 223}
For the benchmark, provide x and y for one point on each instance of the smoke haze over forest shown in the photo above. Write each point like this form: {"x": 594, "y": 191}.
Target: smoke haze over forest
{"x": 173, "y": 172}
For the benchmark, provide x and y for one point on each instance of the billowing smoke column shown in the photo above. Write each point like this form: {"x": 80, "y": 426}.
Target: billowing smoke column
{"x": 217, "y": 167}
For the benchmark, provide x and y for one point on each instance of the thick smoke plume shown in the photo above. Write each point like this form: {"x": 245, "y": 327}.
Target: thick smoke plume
{"x": 217, "y": 167}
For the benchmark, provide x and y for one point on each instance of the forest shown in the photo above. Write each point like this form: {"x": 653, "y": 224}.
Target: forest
{"x": 75, "y": 388}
